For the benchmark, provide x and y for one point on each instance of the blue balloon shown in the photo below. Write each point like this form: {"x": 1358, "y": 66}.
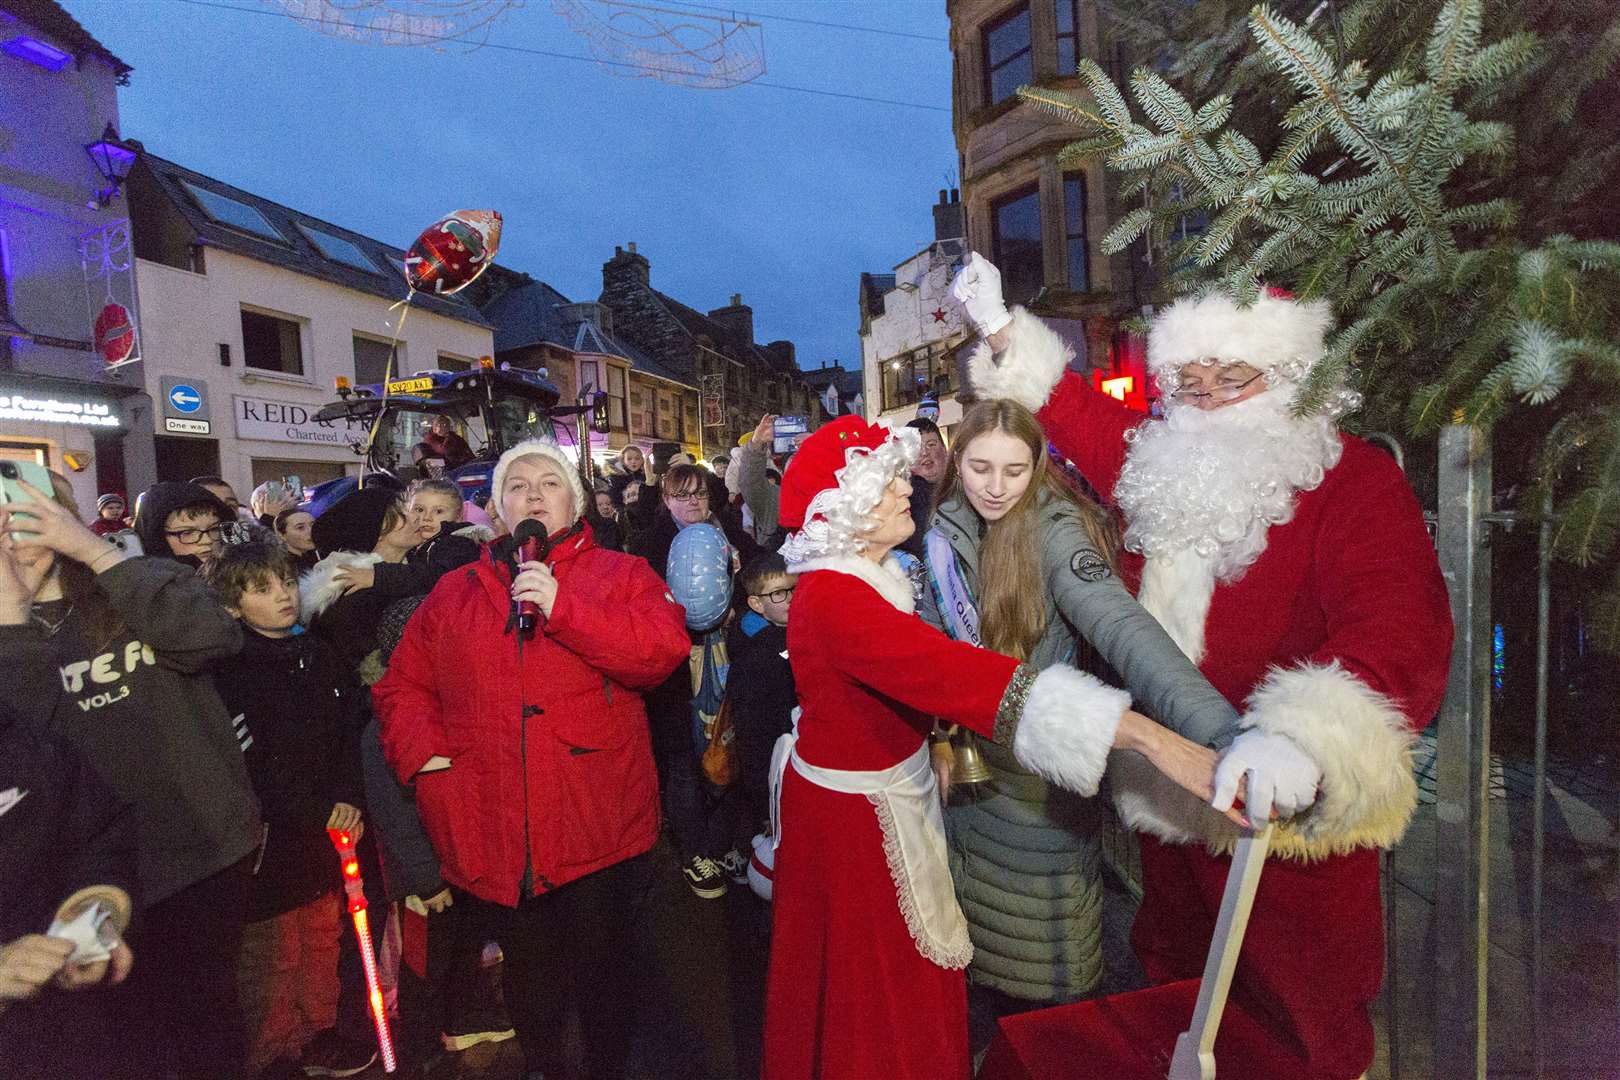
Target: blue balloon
{"x": 699, "y": 575}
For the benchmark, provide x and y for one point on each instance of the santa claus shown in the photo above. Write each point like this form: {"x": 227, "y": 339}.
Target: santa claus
{"x": 1290, "y": 562}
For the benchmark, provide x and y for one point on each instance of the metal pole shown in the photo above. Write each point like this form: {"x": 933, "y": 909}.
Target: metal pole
{"x": 1462, "y": 764}
{"x": 1392, "y": 957}
{"x": 1538, "y": 839}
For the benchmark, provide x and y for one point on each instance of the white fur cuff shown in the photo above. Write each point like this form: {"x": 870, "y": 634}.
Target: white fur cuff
{"x": 1067, "y": 728}
{"x": 1360, "y": 741}
{"x": 1029, "y": 368}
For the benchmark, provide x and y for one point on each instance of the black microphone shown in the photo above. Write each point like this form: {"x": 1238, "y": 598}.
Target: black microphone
{"x": 532, "y": 546}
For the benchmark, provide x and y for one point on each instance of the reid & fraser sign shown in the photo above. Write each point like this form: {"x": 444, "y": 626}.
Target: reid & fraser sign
{"x": 288, "y": 421}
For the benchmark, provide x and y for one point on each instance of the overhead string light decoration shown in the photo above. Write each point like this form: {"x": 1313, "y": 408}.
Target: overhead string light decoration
{"x": 683, "y": 48}
{"x": 434, "y": 24}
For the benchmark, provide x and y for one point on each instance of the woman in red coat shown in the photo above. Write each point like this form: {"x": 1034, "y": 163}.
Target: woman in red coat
{"x": 530, "y": 753}
{"x": 869, "y": 946}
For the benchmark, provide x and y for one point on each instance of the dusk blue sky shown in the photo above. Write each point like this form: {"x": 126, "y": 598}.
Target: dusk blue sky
{"x": 784, "y": 197}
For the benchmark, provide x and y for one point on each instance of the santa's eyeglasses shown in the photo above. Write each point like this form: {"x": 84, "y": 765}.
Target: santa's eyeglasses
{"x": 1226, "y": 391}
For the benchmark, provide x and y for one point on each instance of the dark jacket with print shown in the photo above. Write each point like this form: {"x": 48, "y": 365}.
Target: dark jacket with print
{"x": 301, "y": 710}
{"x": 62, "y": 827}
{"x": 140, "y": 705}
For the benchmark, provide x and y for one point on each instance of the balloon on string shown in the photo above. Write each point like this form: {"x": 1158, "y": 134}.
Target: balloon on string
{"x": 453, "y": 251}
{"x": 699, "y": 575}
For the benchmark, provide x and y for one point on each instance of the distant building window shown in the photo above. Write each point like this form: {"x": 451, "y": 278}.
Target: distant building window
{"x": 1015, "y": 228}
{"x": 338, "y": 249}
{"x": 907, "y": 378}
{"x": 1008, "y": 62}
{"x": 1068, "y": 36}
{"x": 232, "y": 212}
{"x": 452, "y": 362}
{"x": 371, "y": 361}
{"x": 272, "y": 344}
{"x": 615, "y": 390}
{"x": 1074, "y": 230}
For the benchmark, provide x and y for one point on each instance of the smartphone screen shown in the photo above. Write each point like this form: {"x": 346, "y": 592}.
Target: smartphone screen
{"x": 790, "y": 432}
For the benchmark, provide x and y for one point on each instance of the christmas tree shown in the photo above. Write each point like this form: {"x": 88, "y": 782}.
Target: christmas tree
{"x": 1444, "y": 192}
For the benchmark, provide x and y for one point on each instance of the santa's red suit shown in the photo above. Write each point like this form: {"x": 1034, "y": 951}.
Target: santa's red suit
{"x": 1331, "y": 627}
{"x": 868, "y": 945}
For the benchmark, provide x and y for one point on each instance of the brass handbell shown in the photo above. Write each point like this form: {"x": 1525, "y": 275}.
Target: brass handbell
{"x": 969, "y": 766}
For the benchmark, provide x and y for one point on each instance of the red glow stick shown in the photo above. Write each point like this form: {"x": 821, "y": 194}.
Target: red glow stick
{"x": 344, "y": 843}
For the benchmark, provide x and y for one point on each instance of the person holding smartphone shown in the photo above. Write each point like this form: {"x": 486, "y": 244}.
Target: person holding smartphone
{"x": 127, "y": 644}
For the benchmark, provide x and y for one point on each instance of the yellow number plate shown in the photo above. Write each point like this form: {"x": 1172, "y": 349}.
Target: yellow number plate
{"x": 410, "y": 386}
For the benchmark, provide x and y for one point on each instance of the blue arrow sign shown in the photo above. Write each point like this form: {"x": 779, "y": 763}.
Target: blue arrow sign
{"x": 185, "y": 398}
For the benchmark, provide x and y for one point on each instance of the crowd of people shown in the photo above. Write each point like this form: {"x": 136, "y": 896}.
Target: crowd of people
{"x": 1233, "y": 615}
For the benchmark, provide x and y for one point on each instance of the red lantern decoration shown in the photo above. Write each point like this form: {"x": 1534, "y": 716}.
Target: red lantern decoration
{"x": 115, "y": 333}
{"x": 453, "y": 251}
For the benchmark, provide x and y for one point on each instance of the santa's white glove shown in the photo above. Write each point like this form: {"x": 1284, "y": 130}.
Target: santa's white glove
{"x": 1281, "y": 776}
{"x": 977, "y": 291}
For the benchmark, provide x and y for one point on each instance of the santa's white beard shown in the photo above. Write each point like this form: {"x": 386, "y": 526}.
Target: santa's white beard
{"x": 1216, "y": 481}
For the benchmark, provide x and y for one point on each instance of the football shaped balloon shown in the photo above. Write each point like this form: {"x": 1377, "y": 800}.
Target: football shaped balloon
{"x": 452, "y": 252}
{"x": 700, "y": 575}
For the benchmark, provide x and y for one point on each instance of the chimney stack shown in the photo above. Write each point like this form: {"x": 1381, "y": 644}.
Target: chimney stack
{"x": 625, "y": 268}
{"x": 738, "y": 320}
{"x": 949, "y": 221}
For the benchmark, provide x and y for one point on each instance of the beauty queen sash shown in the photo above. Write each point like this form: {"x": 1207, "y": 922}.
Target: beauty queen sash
{"x": 951, "y": 594}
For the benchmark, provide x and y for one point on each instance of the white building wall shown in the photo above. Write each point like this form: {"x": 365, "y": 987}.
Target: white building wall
{"x": 188, "y": 316}
{"x": 907, "y": 323}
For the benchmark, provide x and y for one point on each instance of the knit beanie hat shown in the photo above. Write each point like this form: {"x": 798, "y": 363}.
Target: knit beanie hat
{"x": 544, "y": 448}
{"x": 108, "y": 499}
{"x": 354, "y": 522}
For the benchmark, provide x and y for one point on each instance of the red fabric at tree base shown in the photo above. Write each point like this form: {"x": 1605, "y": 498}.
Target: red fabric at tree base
{"x": 1129, "y": 1037}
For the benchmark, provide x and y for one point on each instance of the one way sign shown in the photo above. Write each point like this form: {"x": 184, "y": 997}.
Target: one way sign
{"x": 185, "y": 398}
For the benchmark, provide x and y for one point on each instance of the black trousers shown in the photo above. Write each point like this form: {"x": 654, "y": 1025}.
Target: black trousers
{"x": 179, "y": 1008}
{"x": 571, "y": 946}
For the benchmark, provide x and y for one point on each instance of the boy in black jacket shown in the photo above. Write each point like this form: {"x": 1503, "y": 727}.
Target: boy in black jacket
{"x": 298, "y": 709}
{"x": 761, "y": 689}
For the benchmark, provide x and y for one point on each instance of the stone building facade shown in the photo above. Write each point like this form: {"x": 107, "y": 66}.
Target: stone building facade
{"x": 738, "y": 379}
{"x": 1041, "y": 222}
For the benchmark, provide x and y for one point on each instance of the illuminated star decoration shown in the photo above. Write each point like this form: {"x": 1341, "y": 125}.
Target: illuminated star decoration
{"x": 939, "y": 314}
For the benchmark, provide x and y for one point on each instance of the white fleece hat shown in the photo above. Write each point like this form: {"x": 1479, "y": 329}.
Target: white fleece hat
{"x": 1275, "y": 334}
{"x": 544, "y": 448}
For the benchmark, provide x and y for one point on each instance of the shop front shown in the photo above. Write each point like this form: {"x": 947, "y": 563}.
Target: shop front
{"x": 72, "y": 427}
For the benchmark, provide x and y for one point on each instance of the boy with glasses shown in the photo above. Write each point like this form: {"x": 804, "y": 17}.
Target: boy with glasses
{"x": 184, "y": 522}
{"x": 762, "y": 695}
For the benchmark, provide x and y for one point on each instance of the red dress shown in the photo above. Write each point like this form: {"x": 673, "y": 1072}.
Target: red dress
{"x": 850, "y": 995}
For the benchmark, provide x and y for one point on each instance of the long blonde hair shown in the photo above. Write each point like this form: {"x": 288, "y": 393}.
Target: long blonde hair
{"x": 1010, "y": 553}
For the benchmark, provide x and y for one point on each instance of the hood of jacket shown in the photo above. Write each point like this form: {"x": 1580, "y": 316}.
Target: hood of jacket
{"x": 164, "y": 498}
{"x": 318, "y": 589}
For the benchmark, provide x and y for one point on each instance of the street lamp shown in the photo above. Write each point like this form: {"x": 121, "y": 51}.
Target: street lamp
{"x": 113, "y": 160}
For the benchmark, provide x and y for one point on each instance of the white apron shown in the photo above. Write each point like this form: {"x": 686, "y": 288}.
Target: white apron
{"x": 906, "y": 799}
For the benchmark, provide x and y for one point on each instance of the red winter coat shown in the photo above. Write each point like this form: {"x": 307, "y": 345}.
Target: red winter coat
{"x": 552, "y": 765}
